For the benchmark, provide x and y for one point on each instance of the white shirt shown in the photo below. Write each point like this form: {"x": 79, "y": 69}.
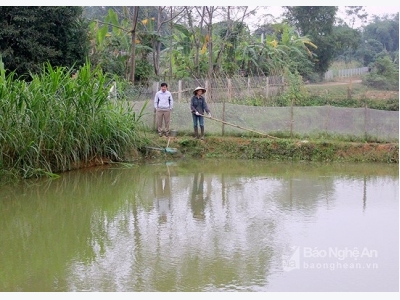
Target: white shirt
{"x": 163, "y": 100}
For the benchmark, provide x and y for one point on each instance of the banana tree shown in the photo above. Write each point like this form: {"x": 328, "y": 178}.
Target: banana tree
{"x": 249, "y": 56}
{"x": 292, "y": 49}
{"x": 113, "y": 42}
{"x": 106, "y": 44}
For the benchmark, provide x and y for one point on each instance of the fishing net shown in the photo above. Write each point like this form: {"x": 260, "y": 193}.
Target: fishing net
{"x": 250, "y": 103}
{"x": 357, "y": 122}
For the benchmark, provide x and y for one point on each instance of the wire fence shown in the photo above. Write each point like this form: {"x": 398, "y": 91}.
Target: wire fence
{"x": 218, "y": 89}
{"x": 237, "y": 86}
{"x": 310, "y": 120}
{"x": 248, "y": 102}
{"x": 237, "y": 89}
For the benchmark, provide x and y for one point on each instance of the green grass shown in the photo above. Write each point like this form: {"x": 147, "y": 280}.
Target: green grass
{"x": 344, "y": 95}
{"x": 349, "y": 96}
{"x": 54, "y": 121}
{"x": 284, "y": 149}
{"x": 341, "y": 95}
{"x": 187, "y": 140}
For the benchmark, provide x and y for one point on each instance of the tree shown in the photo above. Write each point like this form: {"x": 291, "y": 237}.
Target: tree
{"x": 384, "y": 74}
{"x": 111, "y": 43}
{"x": 379, "y": 37}
{"x": 316, "y": 22}
{"x": 281, "y": 51}
{"x": 356, "y": 12}
{"x": 210, "y": 14}
{"x": 31, "y": 36}
{"x": 385, "y": 30}
{"x": 368, "y": 51}
{"x": 135, "y": 16}
{"x": 293, "y": 50}
{"x": 348, "y": 40}
{"x": 197, "y": 37}
{"x": 118, "y": 44}
{"x": 264, "y": 30}
{"x": 155, "y": 30}
{"x": 229, "y": 33}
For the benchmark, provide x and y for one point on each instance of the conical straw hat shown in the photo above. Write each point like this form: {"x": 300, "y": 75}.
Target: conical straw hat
{"x": 199, "y": 88}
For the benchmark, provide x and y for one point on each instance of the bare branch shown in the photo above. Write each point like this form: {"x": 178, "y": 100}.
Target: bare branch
{"x": 200, "y": 14}
{"x": 170, "y": 19}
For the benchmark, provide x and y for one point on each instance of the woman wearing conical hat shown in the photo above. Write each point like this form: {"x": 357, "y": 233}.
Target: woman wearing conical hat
{"x": 198, "y": 106}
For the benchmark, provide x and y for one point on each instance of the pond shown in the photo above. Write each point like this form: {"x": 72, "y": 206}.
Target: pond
{"x": 204, "y": 225}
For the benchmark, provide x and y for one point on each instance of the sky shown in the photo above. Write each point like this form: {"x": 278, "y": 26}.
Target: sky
{"x": 377, "y": 10}
{"x": 386, "y": 6}
{"x": 276, "y": 11}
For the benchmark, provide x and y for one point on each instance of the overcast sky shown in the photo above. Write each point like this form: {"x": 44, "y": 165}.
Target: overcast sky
{"x": 377, "y": 10}
{"x": 276, "y": 11}
{"x": 385, "y": 5}
{"x": 384, "y": 8}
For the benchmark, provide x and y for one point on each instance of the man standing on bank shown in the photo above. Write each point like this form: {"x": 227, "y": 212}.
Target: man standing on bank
{"x": 198, "y": 106}
{"x": 163, "y": 104}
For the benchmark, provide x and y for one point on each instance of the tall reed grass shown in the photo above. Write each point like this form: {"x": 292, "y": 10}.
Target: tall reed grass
{"x": 55, "y": 121}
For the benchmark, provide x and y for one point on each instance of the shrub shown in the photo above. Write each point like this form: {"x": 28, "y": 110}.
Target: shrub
{"x": 55, "y": 121}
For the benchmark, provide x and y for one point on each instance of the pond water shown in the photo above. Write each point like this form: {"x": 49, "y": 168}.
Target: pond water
{"x": 199, "y": 225}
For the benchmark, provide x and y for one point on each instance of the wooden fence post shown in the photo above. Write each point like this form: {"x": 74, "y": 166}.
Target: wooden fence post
{"x": 208, "y": 89}
{"x": 223, "y": 103}
{"x": 291, "y": 119}
{"x": 179, "y": 90}
{"x": 365, "y": 121}
{"x": 155, "y": 89}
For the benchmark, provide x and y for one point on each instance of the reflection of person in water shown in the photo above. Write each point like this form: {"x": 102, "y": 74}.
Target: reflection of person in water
{"x": 162, "y": 193}
{"x": 198, "y": 200}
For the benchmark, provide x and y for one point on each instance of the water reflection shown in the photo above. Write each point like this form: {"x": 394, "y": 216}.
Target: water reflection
{"x": 152, "y": 227}
{"x": 365, "y": 194}
{"x": 199, "y": 198}
{"x": 162, "y": 193}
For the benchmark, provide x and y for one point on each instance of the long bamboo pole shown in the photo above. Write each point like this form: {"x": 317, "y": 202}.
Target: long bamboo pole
{"x": 240, "y": 127}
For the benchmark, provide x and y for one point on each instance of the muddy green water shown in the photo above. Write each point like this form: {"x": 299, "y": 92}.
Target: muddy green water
{"x": 204, "y": 226}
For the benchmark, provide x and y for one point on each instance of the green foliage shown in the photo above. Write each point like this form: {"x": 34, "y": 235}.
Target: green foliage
{"x": 143, "y": 70}
{"x": 316, "y": 22}
{"x": 380, "y": 35}
{"x": 312, "y": 20}
{"x": 188, "y": 143}
{"x": 283, "y": 49}
{"x": 385, "y": 30}
{"x": 307, "y": 42}
{"x": 110, "y": 44}
{"x": 315, "y": 100}
{"x": 31, "y": 36}
{"x": 347, "y": 41}
{"x": 295, "y": 94}
{"x": 321, "y": 149}
{"x": 384, "y": 74}
{"x": 313, "y": 77}
{"x": 252, "y": 101}
{"x": 56, "y": 122}
{"x": 320, "y": 95}
{"x": 230, "y": 35}
{"x": 184, "y": 52}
